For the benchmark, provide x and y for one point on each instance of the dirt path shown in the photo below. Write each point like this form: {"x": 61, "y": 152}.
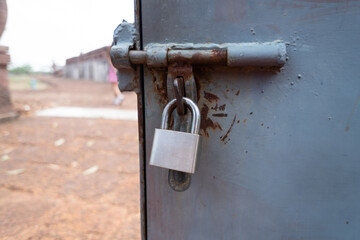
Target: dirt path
{"x": 69, "y": 178}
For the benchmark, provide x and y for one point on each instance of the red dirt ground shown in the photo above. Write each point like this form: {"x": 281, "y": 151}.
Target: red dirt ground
{"x": 44, "y": 192}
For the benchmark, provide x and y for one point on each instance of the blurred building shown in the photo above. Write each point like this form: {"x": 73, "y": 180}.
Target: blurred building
{"x": 93, "y": 65}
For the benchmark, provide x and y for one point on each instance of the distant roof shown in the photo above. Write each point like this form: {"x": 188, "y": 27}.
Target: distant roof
{"x": 100, "y": 53}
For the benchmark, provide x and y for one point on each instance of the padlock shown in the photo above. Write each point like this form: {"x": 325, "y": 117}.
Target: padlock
{"x": 173, "y": 149}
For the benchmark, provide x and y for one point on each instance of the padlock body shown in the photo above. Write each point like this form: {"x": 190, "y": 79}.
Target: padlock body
{"x": 175, "y": 150}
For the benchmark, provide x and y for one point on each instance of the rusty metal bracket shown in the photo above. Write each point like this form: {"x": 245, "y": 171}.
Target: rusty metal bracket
{"x": 126, "y": 58}
{"x": 178, "y": 85}
{"x": 180, "y": 181}
{"x": 124, "y": 42}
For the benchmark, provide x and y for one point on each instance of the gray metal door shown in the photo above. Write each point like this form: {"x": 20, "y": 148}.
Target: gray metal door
{"x": 280, "y": 154}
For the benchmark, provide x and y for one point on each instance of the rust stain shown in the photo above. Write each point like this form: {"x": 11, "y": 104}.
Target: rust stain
{"x": 225, "y": 138}
{"x": 222, "y": 107}
{"x": 219, "y": 115}
{"x": 159, "y": 87}
{"x": 216, "y": 107}
{"x": 178, "y": 57}
{"x": 207, "y": 122}
{"x": 198, "y": 56}
{"x": 217, "y": 56}
{"x": 245, "y": 120}
{"x": 180, "y": 69}
{"x": 210, "y": 97}
{"x": 237, "y": 93}
{"x": 238, "y": 121}
{"x": 219, "y": 53}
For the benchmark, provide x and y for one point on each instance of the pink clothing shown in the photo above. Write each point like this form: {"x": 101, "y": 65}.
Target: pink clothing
{"x": 112, "y": 75}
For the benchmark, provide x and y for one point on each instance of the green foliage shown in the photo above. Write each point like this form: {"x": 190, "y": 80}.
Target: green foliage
{"x": 25, "y": 82}
{"x": 25, "y": 69}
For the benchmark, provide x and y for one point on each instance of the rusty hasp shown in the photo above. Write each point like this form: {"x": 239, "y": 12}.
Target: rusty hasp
{"x": 183, "y": 72}
{"x": 179, "y": 94}
{"x": 126, "y": 58}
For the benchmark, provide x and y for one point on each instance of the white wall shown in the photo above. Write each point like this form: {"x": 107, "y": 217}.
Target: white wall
{"x": 93, "y": 69}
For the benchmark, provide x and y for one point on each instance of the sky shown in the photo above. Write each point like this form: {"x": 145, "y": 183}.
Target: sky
{"x": 40, "y": 32}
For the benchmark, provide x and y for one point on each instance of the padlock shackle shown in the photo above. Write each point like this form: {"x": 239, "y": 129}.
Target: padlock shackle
{"x": 195, "y": 112}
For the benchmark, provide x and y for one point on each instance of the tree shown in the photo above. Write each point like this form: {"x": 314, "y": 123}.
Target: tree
{"x": 25, "y": 69}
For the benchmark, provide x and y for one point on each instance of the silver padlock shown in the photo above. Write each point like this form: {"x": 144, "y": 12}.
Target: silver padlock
{"x": 173, "y": 149}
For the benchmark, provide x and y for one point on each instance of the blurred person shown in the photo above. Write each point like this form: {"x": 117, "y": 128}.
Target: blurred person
{"x": 119, "y": 97}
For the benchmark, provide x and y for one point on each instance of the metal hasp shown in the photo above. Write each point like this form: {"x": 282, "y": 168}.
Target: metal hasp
{"x": 125, "y": 58}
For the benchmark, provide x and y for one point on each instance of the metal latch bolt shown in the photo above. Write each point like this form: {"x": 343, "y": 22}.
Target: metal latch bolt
{"x": 125, "y": 57}
{"x": 231, "y": 55}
